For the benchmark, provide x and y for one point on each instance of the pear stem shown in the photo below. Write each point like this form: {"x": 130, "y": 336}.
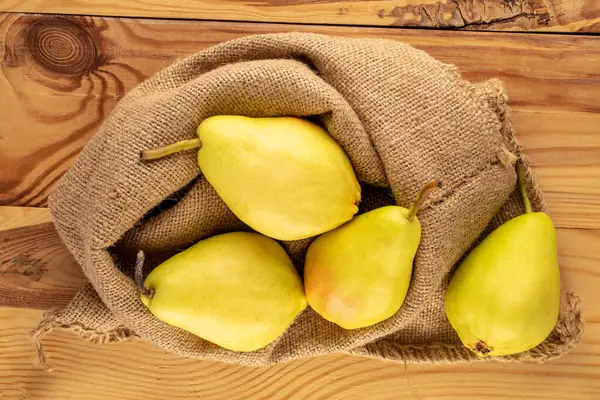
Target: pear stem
{"x": 139, "y": 279}
{"x": 522, "y": 188}
{"x": 421, "y": 197}
{"x": 160, "y": 152}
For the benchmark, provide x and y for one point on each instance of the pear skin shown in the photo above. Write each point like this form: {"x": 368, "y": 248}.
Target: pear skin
{"x": 285, "y": 177}
{"x": 358, "y": 274}
{"x": 238, "y": 290}
{"x": 504, "y": 297}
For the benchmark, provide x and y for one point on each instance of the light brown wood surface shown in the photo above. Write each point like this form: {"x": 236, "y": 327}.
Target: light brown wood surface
{"x": 36, "y": 269}
{"x": 542, "y": 15}
{"x": 59, "y": 78}
{"x": 19, "y": 217}
{"x": 138, "y": 370}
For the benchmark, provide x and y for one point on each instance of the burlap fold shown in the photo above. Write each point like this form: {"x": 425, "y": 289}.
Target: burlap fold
{"x": 402, "y": 117}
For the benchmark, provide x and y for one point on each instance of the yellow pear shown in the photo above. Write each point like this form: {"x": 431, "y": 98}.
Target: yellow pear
{"x": 358, "y": 274}
{"x": 504, "y": 297}
{"x": 283, "y": 176}
{"x": 238, "y": 290}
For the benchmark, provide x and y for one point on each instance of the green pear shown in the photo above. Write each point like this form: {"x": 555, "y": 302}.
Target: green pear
{"x": 238, "y": 290}
{"x": 358, "y": 274}
{"x": 504, "y": 297}
{"x": 283, "y": 176}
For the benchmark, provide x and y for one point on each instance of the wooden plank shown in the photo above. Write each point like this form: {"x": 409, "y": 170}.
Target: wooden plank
{"x": 62, "y": 76}
{"x": 541, "y": 15}
{"x": 138, "y": 370}
{"x": 18, "y": 217}
{"x": 36, "y": 269}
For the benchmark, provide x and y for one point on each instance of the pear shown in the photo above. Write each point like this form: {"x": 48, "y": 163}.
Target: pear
{"x": 283, "y": 176}
{"x": 238, "y": 290}
{"x": 504, "y": 297}
{"x": 358, "y": 274}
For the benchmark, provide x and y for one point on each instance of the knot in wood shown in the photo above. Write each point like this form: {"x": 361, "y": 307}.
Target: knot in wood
{"x": 61, "y": 46}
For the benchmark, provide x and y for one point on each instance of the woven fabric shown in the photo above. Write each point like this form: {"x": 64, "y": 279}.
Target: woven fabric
{"x": 402, "y": 117}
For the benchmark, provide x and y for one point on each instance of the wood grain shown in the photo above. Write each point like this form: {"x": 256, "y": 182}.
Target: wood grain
{"x": 18, "y": 217}
{"x": 138, "y": 370}
{"x": 36, "y": 269}
{"x": 61, "y": 76}
{"x": 542, "y": 15}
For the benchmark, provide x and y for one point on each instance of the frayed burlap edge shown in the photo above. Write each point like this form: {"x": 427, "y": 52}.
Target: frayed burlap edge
{"x": 51, "y": 321}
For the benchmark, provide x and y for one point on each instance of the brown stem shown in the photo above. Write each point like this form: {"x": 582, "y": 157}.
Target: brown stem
{"x": 139, "y": 279}
{"x": 421, "y": 197}
{"x": 522, "y": 189}
{"x": 160, "y": 152}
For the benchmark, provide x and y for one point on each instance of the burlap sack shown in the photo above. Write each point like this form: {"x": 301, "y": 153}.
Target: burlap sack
{"x": 402, "y": 117}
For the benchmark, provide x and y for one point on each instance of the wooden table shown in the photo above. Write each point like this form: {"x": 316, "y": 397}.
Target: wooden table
{"x": 61, "y": 75}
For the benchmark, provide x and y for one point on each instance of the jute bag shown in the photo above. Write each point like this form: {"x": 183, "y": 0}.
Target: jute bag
{"x": 402, "y": 117}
